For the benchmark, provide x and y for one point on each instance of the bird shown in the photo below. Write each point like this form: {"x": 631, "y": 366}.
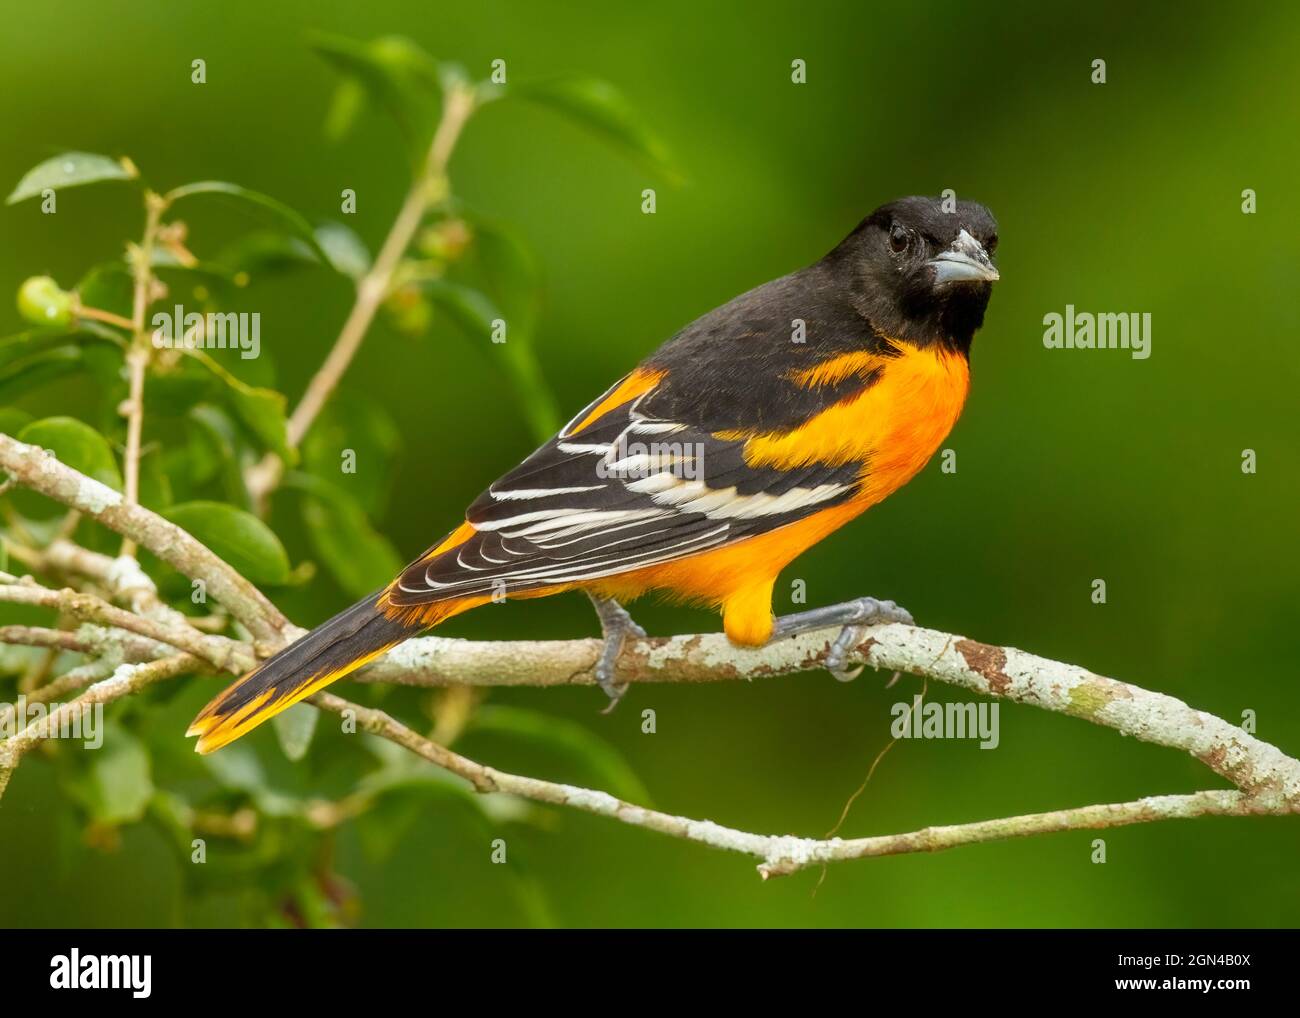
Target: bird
{"x": 749, "y": 436}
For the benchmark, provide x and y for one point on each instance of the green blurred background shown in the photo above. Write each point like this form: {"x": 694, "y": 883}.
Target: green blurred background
{"x": 1072, "y": 465}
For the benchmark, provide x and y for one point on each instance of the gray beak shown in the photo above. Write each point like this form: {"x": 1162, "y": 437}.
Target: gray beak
{"x": 965, "y": 262}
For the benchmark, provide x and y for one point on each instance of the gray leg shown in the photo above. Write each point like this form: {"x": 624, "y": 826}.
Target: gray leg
{"x": 616, "y": 625}
{"x": 853, "y": 616}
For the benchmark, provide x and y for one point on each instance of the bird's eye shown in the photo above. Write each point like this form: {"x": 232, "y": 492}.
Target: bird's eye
{"x": 898, "y": 239}
{"x": 991, "y": 244}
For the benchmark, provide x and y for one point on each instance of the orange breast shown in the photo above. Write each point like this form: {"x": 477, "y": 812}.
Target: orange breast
{"x": 894, "y": 426}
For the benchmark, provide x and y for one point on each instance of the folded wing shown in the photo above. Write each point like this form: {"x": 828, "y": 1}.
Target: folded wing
{"x": 618, "y": 489}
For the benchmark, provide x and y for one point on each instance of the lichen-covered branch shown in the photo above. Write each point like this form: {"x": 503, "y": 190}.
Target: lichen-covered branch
{"x": 87, "y": 639}
{"x": 1267, "y": 781}
{"x": 125, "y": 680}
{"x": 39, "y": 470}
{"x": 1254, "y": 766}
{"x": 783, "y": 854}
{"x": 137, "y": 358}
{"x": 229, "y": 655}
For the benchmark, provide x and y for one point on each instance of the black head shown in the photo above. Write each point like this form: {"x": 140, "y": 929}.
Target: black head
{"x": 919, "y": 269}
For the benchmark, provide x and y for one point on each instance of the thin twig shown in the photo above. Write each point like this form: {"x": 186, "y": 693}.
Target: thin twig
{"x": 780, "y": 855}
{"x": 125, "y": 680}
{"x": 36, "y": 469}
{"x": 87, "y": 639}
{"x": 225, "y": 654}
{"x": 428, "y": 188}
{"x": 69, "y": 682}
{"x": 137, "y": 358}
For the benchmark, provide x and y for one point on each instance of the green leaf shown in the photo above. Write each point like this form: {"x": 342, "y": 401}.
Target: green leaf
{"x": 474, "y": 312}
{"x": 261, "y": 411}
{"x": 360, "y": 423}
{"x": 117, "y": 785}
{"x": 155, "y": 484}
{"x": 240, "y": 538}
{"x": 109, "y": 287}
{"x": 470, "y": 309}
{"x": 402, "y": 788}
{"x": 280, "y": 211}
{"x": 294, "y": 729}
{"x": 34, "y": 372}
{"x": 346, "y": 104}
{"x": 174, "y": 390}
{"x": 382, "y": 827}
{"x": 238, "y": 768}
{"x": 602, "y": 109}
{"x": 511, "y": 269}
{"x": 346, "y": 250}
{"x": 567, "y": 739}
{"x": 206, "y": 450}
{"x": 76, "y": 445}
{"x": 358, "y": 556}
{"x": 396, "y": 74}
{"x": 206, "y": 281}
{"x": 265, "y": 251}
{"x": 30, "y": 345}
{"x": 211, "y": 454}
{"x": 71, "y": 169}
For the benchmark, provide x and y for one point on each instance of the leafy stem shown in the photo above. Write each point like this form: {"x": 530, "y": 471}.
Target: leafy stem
{"x": 427, "y": 190}
{"x": 137, "y": 358}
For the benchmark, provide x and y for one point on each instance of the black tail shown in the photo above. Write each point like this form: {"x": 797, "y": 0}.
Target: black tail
{"x": 328, "y": 652}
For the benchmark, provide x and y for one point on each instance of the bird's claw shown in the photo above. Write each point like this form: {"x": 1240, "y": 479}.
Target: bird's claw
{"x": 834, "y": 660}
{"x": 854, "y": 616}
{"x": 865, "y": 611}
{"x": 617, "y": 625}
{"x": 875, "y": 612}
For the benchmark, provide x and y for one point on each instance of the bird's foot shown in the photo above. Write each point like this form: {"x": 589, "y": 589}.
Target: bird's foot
{"x": 854, "y": 616}
{"x": 616, "y": 625}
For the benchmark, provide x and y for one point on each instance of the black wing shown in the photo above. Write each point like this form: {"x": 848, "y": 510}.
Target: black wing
{"x": 622, "y": 492}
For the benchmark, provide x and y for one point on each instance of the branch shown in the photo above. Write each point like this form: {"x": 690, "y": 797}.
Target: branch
{"x": 137, "y": 358}
{"x": 69, "y": 682}
{"x": 1257, "y": 768}
{"x": 121, "y": 577}
{"x": 39, "y": 470}
{"x": 88, "y": 639}
{"x": 125, "y": 680}
{"x": 783, "y": 854}
{"x": 1267, "y": 781}
{"x": 225, "y": 654}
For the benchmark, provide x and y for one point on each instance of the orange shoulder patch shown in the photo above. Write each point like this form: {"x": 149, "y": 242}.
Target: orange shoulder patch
{"x": 837, "y": 369}
{"x": 638, "y": 382}
{"x": 894, "y": 426}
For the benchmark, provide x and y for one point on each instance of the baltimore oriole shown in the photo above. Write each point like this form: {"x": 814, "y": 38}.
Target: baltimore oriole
{"x": 748, "y": 437}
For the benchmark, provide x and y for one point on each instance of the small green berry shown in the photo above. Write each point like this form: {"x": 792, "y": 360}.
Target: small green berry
{"x": 41, "y": 301}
